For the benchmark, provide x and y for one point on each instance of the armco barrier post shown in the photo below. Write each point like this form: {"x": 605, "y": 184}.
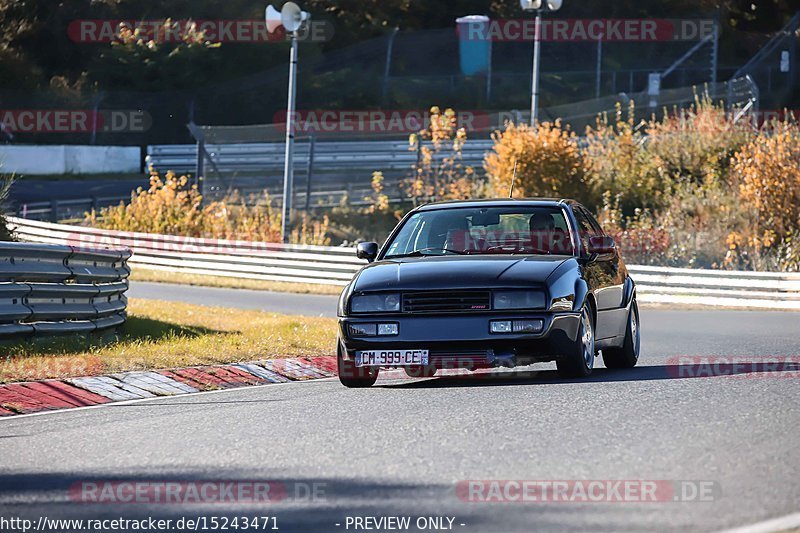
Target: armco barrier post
{"x": 310, "y": 170}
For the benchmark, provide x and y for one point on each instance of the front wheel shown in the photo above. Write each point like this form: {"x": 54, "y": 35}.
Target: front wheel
{"x": 353, "y": 376}
{"x": 628, "y": 355}
{"x": 580, "y": 361}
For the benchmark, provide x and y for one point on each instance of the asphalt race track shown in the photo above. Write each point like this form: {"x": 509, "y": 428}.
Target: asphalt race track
{"x": 27, "y": 190}
{"x": 296, "y": 304}
{"x": 402, "y": 447}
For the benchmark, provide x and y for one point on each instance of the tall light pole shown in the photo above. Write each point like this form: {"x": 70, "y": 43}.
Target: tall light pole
{"x": 288, "y": 163}
{"x": 291, "y": 17}
{"x": 538, "y": 6}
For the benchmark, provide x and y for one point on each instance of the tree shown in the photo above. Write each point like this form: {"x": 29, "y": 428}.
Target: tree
{"x": 141, "y": 63}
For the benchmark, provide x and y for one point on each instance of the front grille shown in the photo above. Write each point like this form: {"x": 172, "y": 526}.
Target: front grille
{"x": 459, "y": 358}
{"x": 449, "y": 301}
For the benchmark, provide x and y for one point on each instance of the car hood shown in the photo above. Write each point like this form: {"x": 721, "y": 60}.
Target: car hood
{"x": 456, "y": 271}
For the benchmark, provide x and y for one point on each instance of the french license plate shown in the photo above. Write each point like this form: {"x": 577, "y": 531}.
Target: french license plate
{"x": 391, "y": 357}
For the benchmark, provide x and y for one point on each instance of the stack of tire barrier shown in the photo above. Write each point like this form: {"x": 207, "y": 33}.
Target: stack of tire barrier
{"x": 50, "y": 289}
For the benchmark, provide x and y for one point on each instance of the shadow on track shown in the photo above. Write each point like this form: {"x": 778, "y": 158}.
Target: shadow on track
{"x": 302, "y": 503}
{"x": 602, "y": 375}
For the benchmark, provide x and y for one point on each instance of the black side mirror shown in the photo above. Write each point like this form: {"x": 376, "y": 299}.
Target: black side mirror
{"x": 602, "y": 246}
{"x": 367, "y": 250}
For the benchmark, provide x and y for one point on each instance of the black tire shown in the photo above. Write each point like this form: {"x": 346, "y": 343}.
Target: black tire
{"x": 352, "y": 376}
{"x": 420, "y": 371}
{"x": 628, "y": 355}
{"x": 579, "y": 362}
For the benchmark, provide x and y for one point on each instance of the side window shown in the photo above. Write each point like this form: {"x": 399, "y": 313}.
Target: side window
{"x": 585, "y": 228}
{"x": 598, "y": 229}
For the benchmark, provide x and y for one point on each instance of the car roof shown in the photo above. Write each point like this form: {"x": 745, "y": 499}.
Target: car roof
{"x": 497, "y": 202}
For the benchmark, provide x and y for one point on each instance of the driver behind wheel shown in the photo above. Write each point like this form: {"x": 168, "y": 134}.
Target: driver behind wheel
{"x": 542, "y": 228}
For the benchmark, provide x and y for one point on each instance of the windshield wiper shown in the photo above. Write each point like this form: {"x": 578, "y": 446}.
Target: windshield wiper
{"x": 513, "y": 250}
{"x": 421, "y": 252}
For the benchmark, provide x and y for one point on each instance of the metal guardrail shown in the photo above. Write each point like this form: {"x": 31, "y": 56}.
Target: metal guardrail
{"x": 49, "y": 289}
{"x": 329, "y": 156}
{"x": 336, "y": 266}
{"x": 322, "y": 197}
{"x": 326, "y": 172}
{"x": 733, "y": 288}
{"x": 219, "y": 257}
{"x": 56, "y": 209}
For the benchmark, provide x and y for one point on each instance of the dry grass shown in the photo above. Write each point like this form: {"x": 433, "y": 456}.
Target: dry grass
{"x": 173, "y": 205}
{"x": 162, "y": 276}
{"x": 166, "y": 334}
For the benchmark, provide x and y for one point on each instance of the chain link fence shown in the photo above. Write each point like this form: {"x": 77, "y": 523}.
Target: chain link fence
{"x": 406, "y": 70}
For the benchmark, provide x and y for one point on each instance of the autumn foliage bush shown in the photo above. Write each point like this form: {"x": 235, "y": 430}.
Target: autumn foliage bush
{"x": 694, "y": 143}
{"x": 173, "y": 206}
{"x": 547, "y": 158}
{"x": 616, "y": 160}
{"x": 767, "y": 174}
{"x": 694, "y": 188}
{"x": 676, "y": 172}
{"x": 438, "y": 173}
{"x": 639, "y": 238}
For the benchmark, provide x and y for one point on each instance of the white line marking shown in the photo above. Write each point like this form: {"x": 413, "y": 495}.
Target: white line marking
{"x": 782, "y": 523}
{"x": 138, "y": 400}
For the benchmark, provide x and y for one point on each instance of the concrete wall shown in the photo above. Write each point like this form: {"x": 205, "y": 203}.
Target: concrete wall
{"x": 68, "y": 159}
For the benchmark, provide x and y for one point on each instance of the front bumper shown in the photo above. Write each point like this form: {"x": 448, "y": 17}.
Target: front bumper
{"x": 465, "y": 340}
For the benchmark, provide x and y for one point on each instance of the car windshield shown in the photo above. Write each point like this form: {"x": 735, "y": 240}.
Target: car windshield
{"x": 483, "y": 230}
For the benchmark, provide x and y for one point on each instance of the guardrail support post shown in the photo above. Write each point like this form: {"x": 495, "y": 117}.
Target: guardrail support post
{"x": 310, "y": 170}
{"x": 199, "y": 167}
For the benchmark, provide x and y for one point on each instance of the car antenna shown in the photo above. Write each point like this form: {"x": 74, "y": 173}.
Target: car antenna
{"x": 513, "y": 177}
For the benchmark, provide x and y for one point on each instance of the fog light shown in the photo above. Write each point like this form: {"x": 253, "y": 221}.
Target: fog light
{"x": 387, "y": 329}
{"x": 362, "y": 330}
{"x": 500, "y": 326}
{"x": 528, "y": 326}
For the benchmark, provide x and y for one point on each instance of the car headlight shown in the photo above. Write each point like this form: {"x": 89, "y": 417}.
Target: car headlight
{"x": 518, "y": 300}
{"x": 375, "y": 303}
{"x": 370, "y": 329}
